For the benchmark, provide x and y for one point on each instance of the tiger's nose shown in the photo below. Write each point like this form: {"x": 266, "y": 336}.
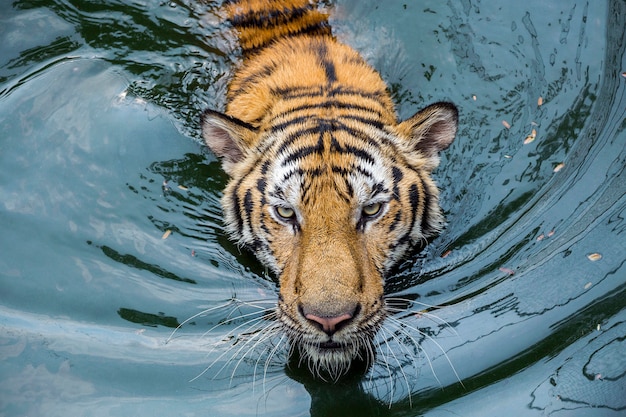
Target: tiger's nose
{"x": 330, "y": 324}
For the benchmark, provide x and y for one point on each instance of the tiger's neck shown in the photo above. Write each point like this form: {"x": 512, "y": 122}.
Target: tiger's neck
{"x": 259, "y": 23}
{"x": 292, "y": 62}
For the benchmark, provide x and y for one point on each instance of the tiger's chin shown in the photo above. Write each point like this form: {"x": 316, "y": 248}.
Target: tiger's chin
{"x": 331, "y": 361}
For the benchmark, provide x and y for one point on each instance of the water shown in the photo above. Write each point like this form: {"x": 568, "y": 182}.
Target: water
{"x": 100, "y": 156}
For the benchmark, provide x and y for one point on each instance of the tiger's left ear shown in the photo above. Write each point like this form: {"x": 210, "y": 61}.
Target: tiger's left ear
{"x": 432, "y": 129}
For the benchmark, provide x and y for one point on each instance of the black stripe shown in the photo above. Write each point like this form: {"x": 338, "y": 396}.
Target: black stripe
{"x": 425, "y": 225}
{"x": 296, "y": 171}
{"x": 255, "y": 78}
{"x": 365, "y": 120}
{"x": 236, "y": 208}
{"x": 265, "y": 167}
{"x": 299, "y": 91}
{"x": 396, "y": 220}
{"x": 358, "y": 133}
{"x": 248, "y": 206}
{"x": 321, "y": 50}
{"x": 414, "y": 198}
{"x": 266, "y": 18}
{"x": 349, "y": 149}
{"x": 261, "y": 184}
{"x": 323, "y": 126}
{"x": 294, "y": 136}
{"x": 379, "y": 188}
{"x": 350, "y": 190}
{"x": 281, "y": 126}
{"x": 343, "y": 171}
{"x": 414, "y": 201}
{"x": 397, "y": 177}
{"x": 309, "y": 173}
{"x": 335, "y": 104}
{"x": 295, "y": 92}
{"x": 303, "y": 152}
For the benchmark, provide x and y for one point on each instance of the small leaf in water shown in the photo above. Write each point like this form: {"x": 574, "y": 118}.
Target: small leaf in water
{"x": 539, "y": 101}
{"x": 167, "y": 234}
{"x": 506, "y": 124}
{"x": 558, "y": 167}
{"x": 530, "y": 137}
{"x": 594, "y": 257}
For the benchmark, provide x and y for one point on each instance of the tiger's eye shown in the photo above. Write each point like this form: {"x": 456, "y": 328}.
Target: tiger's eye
{"x": 372, "y": 209}
{"x": 285, "y": 213}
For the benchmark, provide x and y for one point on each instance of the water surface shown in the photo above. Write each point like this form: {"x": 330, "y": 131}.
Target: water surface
{"x": 100, "y": 158}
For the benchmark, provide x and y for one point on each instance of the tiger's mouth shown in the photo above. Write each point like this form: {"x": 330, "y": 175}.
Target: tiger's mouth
{"x": 332, "y": 360}
{"x": 331, "y": 345}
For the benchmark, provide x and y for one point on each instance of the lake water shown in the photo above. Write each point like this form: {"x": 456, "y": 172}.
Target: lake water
{"x": 112, "y": 235}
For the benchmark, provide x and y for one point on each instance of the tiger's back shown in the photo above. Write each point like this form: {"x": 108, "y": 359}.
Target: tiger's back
{"x": 327, "y": 188}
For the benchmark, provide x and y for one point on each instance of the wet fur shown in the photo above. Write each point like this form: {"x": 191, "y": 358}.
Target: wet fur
{"x": 310, "y": 130}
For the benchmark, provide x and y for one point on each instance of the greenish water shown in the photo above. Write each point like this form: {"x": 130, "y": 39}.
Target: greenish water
{"x": 100, "y": 156}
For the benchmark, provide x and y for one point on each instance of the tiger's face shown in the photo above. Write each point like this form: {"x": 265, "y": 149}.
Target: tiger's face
{"x": 330, "y": 205}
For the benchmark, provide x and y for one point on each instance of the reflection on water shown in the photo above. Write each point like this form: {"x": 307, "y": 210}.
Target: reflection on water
{"x": 112, "y": 231}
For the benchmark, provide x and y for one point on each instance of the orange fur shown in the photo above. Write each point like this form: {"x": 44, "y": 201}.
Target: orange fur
{"x": 310, "y": 131}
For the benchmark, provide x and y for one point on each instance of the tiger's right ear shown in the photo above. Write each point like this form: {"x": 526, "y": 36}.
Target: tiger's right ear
{"x": 227, "y": 136}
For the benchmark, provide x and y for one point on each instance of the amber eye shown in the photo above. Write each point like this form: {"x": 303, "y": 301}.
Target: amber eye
{"x": 372, "y": 209}
{"x": 285, "y": 213}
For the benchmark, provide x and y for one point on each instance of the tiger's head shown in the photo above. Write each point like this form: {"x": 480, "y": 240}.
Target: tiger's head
{"x": 330, "y": 205}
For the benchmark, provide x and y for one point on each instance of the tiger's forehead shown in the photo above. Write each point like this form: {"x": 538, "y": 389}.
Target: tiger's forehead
{"x": 331, "y": 155}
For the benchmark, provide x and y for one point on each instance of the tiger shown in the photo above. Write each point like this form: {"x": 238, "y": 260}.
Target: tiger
{"x": 326, "y": 186}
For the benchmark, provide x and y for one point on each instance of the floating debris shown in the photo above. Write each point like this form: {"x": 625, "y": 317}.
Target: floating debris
{"x": 182, "y": 187}
{"x": 545, "y": 235}
{"x": 506, "y": 124}
{"x": 540, "y": 101}
{"x": 594, "y": 257}
{"x": 506, "y": 271}
{"x": 167, "y": 234}
{"x": 530, "y": 137}
{"x": 588, "y": 285}
{"x": 446, "y": 253}
{"x": 474, "y": 97}
{"x": 558, "y": 167}
{"x": 624, "y": 74}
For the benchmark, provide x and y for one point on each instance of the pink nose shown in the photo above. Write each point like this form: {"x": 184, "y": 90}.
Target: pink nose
{"x": 329, "y": 324}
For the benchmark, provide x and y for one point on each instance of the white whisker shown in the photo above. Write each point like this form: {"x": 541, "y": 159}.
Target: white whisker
{"x": 258, "y": 338}
{"x": 269, "y": 358}
{"x": 202, "y": 313}
{"x": 432, "y": 339}
{"x": 401, "y": 327}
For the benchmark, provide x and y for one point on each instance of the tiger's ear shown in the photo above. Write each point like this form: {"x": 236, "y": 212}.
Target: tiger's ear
{"x": 228, "y": 137}
{"x": 432, "y": 129}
